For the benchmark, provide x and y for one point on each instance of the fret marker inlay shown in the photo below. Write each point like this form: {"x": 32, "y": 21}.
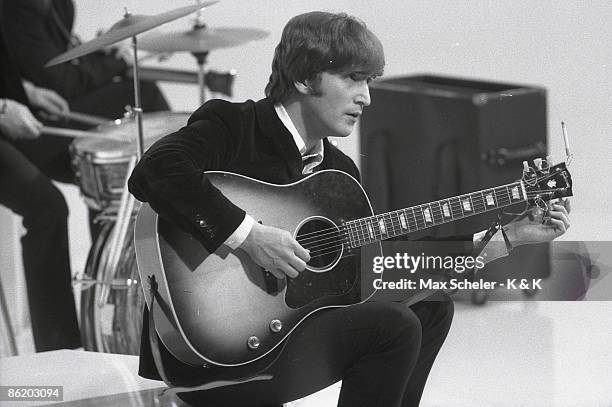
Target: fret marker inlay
{"x": 383, "y": 228}
{"x": 427, "y": 215}
{"x": 403, "y": 221}
{"x": 515, "y": 193}
{"x": 446, "y": 210}
{"x": 370, "y": 230}
{"x": 466, "y": 205}
{"x": 490, "y": 200}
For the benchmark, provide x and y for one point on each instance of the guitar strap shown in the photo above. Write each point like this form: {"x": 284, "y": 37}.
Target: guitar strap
{"x": 494, "y": 228}
{"x": 172, "y": 387}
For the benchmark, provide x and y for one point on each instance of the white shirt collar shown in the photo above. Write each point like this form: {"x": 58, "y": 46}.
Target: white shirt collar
{"x": 315, "y": 156}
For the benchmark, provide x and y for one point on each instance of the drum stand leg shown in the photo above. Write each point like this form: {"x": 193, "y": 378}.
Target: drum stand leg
{"x": 118, "y": 238}
{"x": 7, "y": 321}
{"x": 201, "y": 59}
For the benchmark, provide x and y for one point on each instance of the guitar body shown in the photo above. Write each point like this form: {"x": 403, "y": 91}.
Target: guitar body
{"x": 221, "y": 308}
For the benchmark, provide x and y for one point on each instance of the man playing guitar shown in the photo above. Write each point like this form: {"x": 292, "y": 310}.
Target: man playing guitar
{"x": 382, "y": 351}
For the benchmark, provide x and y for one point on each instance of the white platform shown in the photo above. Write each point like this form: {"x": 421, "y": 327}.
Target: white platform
{"x": 83, "y": 374}
{"x": 535, "y": 354}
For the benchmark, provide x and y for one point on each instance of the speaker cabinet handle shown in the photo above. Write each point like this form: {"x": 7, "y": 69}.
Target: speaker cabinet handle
{"x": 502, "y": 156}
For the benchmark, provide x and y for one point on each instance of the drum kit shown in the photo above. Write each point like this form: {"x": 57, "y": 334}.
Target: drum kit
{"x": 111, "y": 297}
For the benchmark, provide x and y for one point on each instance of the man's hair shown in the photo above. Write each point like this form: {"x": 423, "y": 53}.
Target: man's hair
{"x": 318, "y": 42}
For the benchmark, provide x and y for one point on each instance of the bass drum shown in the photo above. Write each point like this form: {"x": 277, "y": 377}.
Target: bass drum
{"x": 111, "y": 318}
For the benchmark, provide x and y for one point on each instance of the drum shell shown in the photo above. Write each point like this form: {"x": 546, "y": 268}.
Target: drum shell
{"x": 100, "y": 165}
{"x": 115, "y": 325}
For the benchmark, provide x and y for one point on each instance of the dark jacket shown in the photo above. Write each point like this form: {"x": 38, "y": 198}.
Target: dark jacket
{"x": 40, "y": 30}
{"x": 245, "y": 138}
{"x": 10, "y": 80}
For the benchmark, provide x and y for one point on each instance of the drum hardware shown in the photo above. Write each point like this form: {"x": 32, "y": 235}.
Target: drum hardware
{"x": 220, "y": 82}
{"x": 124, "y": 214}
{"x": 199, "y": 41}
{"x": 115, "y": 326}
{"x": 120, "y": 256}
{"x": 100, "y": 164}
{"x": 118, "y": 283}
{"x": 116, "y": 317}
{"x": 104, "y": 307}
{"x": 129, "y": 26}
{"x": 215, "y": 81}
{"x": 8, "y": 323}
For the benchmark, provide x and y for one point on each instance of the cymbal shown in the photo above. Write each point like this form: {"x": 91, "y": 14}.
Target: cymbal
{"x": 127, "y": 27}
{"x": 200, "y": 39}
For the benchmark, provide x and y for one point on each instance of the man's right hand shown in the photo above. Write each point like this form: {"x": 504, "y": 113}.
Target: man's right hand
{"x": 17, "y": 122}
{"x": 275, "y": 250}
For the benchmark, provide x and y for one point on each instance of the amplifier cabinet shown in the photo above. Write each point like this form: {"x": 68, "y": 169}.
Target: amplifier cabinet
{"x": 429, "y": 137}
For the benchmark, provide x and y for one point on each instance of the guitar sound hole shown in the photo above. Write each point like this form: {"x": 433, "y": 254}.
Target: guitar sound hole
{"x": 323, "y": 239}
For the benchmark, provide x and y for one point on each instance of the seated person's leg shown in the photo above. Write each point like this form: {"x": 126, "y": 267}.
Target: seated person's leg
{"x": 30, "y": 194}
{"x": 436, "y": 316}
{"x": 372, "y": 347}
{"x": 50, "y": 155}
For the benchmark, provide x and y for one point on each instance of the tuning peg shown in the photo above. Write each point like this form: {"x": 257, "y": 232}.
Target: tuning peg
{"x": 538, "y": 163}
{"x": 525, "y": 166}
{"x": 549, "y": 160}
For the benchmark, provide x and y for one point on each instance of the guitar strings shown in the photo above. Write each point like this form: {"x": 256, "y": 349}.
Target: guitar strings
{"x": 317, "y": 234}
{"x": 332, "y": 237}
{"x": 334, "y": 231}
{"x": 432, "y": 208}
{"x": 531, "y": 194}
{"x": 326, "y": 239}
{"x": 412, "y": 222}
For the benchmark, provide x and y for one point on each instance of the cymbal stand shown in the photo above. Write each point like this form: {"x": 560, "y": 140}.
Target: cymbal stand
{"x": 124, "y": 213}
{"x": 201, "y": 59}
{"x": 137, "y": 106}
{"x": 200, "y": 56}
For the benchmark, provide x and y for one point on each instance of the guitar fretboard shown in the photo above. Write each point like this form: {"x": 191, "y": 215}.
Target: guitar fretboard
{"x": 403, "y": 221}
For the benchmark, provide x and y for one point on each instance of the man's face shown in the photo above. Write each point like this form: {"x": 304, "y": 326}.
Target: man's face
{"x": 336, "y": 102}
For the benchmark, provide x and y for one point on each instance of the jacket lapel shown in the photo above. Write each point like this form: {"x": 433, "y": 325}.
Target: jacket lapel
{"x": 272, "y": 127}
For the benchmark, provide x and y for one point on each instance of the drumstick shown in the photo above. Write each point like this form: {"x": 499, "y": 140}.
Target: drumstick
{"x": 83, "y": 118}
{"x": 59, "y": 131}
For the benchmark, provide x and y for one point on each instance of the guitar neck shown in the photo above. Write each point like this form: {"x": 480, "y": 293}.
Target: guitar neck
{"x": 415, "y": 218}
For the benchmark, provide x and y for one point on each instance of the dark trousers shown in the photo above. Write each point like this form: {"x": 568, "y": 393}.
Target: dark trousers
{"x": 28, "y": 192}
{"x": 381, "y": 351}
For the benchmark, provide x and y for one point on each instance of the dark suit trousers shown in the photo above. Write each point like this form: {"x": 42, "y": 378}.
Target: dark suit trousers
{"x": 26, "y": 191}
{"x": 382, "y": 352}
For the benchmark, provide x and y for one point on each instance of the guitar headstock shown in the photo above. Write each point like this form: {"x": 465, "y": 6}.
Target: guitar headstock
{"x": 543, "y": 183}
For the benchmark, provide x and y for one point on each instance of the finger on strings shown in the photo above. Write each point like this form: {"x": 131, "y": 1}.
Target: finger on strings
{"x": 297, "y": 263}
{"x": 301, "y": 252}
{"x": 324, "y": 244}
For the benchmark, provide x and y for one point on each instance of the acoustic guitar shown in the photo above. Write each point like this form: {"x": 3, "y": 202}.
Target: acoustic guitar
{"x": 223, "y": 309}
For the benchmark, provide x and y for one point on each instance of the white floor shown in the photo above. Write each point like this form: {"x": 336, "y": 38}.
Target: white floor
{"x": 532, "y": 354}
